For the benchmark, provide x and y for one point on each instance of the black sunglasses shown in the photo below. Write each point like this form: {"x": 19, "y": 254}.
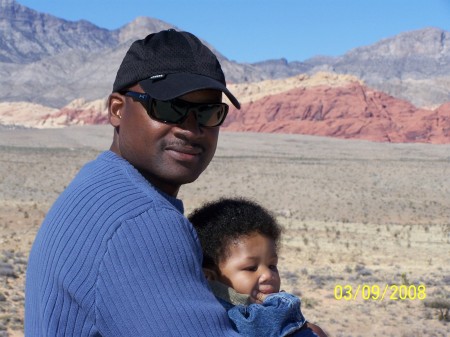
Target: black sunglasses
{"x": 175, "y": 111}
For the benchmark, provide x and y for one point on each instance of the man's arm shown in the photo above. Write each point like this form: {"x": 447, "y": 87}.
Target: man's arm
{"x": 151, "y": 282}
{"x": 309, "y": 330}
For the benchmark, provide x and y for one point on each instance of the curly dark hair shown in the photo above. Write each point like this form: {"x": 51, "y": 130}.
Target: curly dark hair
{"x": 220, "y": 222}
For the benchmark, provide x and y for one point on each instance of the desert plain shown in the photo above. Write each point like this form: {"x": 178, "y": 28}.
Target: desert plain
{"x": 366, "y": 215}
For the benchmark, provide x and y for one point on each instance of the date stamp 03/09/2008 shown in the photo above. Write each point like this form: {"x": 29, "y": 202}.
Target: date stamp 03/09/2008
{"x": 375, "y": 292}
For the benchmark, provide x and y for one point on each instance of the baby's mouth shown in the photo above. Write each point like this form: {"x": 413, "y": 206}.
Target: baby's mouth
{"x": 266, "y": 290}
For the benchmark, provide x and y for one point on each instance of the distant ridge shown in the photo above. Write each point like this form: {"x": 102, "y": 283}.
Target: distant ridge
{"x": 27, "y": 35}
{"x": 55, "y": 73}
{"x": 413, "y": 65}
{"x": 40, "y": 52}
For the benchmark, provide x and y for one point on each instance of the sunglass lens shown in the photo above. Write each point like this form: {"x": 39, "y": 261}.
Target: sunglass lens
{"x": 175, "y": 111}
{"x": 210, "y": 114}
{"x": 167, "y": 112}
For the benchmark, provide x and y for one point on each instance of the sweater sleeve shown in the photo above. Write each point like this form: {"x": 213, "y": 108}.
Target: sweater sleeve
{"x": 150, "y": 281}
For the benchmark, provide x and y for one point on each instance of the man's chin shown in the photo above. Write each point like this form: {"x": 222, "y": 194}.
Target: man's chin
{"x": 183, "y": 178}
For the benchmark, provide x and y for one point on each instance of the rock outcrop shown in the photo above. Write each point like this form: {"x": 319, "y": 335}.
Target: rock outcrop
{"x": 352, "y": 111}
{"x": 324, "y": 104}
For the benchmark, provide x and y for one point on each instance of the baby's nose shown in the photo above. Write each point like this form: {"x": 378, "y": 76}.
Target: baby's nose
{"x": 267, "y": 274}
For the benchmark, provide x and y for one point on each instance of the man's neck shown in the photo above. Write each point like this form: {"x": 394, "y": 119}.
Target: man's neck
{"x": 169, "y": 189}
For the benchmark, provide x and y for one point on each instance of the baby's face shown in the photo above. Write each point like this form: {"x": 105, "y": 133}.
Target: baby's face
{"x": 251, "y": 266}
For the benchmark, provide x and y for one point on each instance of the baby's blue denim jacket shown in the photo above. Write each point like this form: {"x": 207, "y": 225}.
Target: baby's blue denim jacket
{"x": 278, "y": 316}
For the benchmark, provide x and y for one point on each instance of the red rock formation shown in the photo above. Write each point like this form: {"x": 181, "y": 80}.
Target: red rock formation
{"x": 340, "y": 109}
{"x": 351, "y": 111}
{"x": 69, "y": 116}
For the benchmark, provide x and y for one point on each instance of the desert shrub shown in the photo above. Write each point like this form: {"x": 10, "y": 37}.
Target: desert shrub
{"x": 308, "y": 302}
{"x": 442, "y": 305}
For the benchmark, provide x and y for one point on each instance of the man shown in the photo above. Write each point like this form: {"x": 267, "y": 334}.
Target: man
{"x": 115, "y": 256}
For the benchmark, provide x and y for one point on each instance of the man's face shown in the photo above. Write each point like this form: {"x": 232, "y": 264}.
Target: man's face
{"x": 250, "y": 266}
{"x": 168, "y": 155}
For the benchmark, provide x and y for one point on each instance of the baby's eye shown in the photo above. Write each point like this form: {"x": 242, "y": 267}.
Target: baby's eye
{"x": 251, "y": 268}
{"x": 273, "y": 267}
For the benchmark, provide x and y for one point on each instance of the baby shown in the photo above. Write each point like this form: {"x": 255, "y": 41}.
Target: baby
{"x": 240, "y": 241}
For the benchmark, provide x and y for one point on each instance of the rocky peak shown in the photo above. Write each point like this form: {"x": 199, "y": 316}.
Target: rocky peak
{"x": 140, "y": 27}
{"x": 10, "y": 8}
{"x": 427, "y": 42}
{"x": 28, "y": 36}
{"x": 9, "y": 4}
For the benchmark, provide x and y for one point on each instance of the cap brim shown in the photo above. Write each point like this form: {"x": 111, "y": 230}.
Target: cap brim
{"x": 175, "y": 85}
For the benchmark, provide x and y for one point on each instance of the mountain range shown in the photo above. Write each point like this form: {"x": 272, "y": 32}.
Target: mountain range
{"x": 60, "y": 66}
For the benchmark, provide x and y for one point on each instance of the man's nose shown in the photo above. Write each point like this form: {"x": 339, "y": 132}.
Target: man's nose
{"x": 191, "y": 123}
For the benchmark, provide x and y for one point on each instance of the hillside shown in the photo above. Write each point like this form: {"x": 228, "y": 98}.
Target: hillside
{"x": 39, "y": 52}
{"x": 56, "y": 73}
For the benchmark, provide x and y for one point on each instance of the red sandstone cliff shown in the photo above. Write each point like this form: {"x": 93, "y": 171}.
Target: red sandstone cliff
{"x": 351, "y": 111}
{"x": 324, "y": 104}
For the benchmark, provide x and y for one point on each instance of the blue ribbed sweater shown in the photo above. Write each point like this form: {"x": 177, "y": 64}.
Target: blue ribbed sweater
{"x": 115, "y": 257}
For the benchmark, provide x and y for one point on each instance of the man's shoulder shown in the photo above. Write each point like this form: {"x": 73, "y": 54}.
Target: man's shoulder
{"x": 111, "y": 187}
{"x": 111, "y": 174}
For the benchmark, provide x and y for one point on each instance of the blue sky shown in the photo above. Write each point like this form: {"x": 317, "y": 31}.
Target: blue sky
{"x": 257, "y": 30}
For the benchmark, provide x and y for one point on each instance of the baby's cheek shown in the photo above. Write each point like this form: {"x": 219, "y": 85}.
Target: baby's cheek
{"x": 254, "y": 293}
{"x": 277, "y": 286}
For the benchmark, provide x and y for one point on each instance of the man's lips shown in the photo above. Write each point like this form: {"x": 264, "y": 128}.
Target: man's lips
{"x": 185, "y": 151}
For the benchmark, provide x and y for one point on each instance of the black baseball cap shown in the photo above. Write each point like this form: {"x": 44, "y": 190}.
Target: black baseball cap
{"x": 170, "y": 64}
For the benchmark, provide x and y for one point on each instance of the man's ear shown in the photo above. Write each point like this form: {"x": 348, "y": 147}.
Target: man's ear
{"x": 115, "y": 105}
{"x": 210, "y": 274}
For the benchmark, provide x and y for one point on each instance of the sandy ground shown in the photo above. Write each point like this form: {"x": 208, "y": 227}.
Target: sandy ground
{"x": 369, "y": 216}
